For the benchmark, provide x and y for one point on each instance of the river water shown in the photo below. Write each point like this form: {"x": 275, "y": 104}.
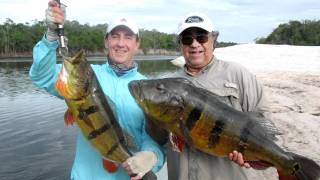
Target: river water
{"x": 34, "y": 142}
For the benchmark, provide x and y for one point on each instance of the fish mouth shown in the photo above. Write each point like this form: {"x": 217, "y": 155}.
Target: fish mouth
{"x": 136, "y": 91}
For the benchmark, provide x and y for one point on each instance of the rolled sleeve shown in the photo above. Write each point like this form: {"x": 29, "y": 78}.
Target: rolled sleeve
{"x": 44, "y": 69}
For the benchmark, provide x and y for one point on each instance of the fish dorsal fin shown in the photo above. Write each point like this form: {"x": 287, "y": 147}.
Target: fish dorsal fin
{"x": 129, "y": 141}
{"x": 270, "y": 129}
{"x": 112, "y": 105}
{"x": 79, "y": 56}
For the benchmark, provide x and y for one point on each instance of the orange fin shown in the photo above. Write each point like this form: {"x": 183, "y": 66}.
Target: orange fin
{"x": 109, "y": 166}
{"x": 68, "y": 118}
{"x": 177, "y": 143}
{"x": 285, "y": 177}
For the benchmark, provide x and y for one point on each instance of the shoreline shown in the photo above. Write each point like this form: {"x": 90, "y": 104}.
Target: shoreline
{"x": 295, "y": 110}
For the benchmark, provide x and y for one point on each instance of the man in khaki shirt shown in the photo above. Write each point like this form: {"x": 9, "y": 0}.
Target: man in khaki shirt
{"x": 233, "y": 83}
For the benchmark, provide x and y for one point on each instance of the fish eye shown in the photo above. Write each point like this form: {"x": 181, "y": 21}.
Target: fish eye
{"x": 160, "y": 87}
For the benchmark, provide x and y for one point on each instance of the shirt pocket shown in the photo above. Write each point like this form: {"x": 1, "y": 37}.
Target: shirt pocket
{"x": 229, "y": 93}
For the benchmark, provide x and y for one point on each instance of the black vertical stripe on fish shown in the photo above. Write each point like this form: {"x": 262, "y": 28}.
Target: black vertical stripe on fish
{"x": 215, "y": 133}
{"x": 113, "y": 148}
{"x": 193, "y": 117}
{"x": 244, "y": 134}
{"x": 97, "y": 132}
{"x": 84, "y": 113}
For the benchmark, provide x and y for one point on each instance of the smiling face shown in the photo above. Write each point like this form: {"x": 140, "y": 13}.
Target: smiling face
{"x": 197, "y": 51}
{"x": 122, "y": 44}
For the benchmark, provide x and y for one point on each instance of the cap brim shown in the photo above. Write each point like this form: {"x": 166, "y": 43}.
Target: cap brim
{"x": 193, "y": 26}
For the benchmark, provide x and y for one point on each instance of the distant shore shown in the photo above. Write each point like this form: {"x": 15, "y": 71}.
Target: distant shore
{"x": 95, "y": 58}
{"x": 151, "y": 52}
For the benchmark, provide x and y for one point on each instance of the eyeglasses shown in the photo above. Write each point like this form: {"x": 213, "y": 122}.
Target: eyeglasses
{"x": 188, "y": 39}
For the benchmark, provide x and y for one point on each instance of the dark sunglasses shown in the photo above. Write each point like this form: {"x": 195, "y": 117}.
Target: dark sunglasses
{"x": 188, "y": 39}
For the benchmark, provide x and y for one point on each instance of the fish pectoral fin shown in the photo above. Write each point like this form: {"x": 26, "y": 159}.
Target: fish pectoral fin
{"x": 68, "y": 118}
{"x": 177, "y": 143}
{"x": 110, "y": 166}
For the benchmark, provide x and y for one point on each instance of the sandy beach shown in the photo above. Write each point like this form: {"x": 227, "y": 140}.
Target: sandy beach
{"x": 291, "y": 79}
{"x": 295, "y": 106}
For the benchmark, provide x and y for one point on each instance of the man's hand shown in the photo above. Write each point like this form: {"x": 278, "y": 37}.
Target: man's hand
{"x": 237, "y": 157}
{"x": 54, "y": 15}
{"x": 141, "y": 163}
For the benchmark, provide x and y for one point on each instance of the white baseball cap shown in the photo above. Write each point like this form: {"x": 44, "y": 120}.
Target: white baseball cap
{"x": 195, "y": 19}
{"x": 123, "y": 21}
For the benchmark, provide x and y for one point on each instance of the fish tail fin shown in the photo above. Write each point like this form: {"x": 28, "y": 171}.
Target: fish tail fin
{"x": 303, "y": 169}
{"x": 111, "y": 167}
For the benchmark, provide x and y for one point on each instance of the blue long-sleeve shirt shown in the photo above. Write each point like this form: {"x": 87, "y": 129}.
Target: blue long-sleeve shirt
{"x": 88, "y": 161}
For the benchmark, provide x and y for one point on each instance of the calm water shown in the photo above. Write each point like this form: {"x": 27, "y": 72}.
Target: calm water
{"x": 34, "y": 142}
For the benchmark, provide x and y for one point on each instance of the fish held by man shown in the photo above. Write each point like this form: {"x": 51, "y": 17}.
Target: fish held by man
{"x": 93, "y": 111}
{"x": 197, "y": 117}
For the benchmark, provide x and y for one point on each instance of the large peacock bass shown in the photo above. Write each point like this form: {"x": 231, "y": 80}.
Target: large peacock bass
{"x": 197, "y": 117}
{"x": 92, "y": 110}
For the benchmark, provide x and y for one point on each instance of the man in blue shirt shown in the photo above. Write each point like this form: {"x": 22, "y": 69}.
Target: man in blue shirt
{"x": 122, "y": 41}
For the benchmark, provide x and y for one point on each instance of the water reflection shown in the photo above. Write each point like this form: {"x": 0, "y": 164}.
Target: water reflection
{"x": 35, "y": 143}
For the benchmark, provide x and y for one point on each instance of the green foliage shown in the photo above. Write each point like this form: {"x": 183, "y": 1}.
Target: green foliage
{"x": 156, "y": 40}
{"x": 225, "y": 44}
{"x": 90, "y": 38}
{"x": 305, "y": 33}
{"x": 21, "y": 38}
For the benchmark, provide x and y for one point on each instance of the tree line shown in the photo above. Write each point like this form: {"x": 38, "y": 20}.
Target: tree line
{"x": 19, "y": 39}
{"x": 304, "y": 33}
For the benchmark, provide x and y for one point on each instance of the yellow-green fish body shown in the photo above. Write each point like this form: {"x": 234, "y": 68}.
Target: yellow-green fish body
{"x": 93, "y": 111}
{"x": 200, "y": 119}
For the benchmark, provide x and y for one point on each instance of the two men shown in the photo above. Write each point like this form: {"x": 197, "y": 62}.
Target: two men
{"x": 197, "y": 39}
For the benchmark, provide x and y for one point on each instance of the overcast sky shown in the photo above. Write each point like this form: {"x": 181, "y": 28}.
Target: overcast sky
{"x": 238, "y": 21}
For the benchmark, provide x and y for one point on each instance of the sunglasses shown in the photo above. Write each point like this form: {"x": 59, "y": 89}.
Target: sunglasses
{"x": 188, "y": 39}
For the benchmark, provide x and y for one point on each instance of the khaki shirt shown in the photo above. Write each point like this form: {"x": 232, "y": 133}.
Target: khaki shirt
{"x": 239, "y": 89}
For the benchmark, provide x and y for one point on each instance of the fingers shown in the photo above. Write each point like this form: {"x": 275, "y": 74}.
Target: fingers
{"x": 137, "y": 177}
{"x": 127, "y": 167}
{"x": 237, "y": 157}
{"x": 53, "y": 3}
{"x": 55, "y": 13}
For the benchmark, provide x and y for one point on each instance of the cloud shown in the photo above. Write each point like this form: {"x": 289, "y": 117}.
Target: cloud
{"x": 237, "y": 21}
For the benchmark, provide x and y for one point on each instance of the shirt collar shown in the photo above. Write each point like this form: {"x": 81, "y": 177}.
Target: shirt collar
{"x": 120, "y": 69}
{"x": 203, "y": 70}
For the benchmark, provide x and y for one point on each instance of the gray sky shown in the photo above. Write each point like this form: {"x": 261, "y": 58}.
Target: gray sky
{"x": 238, "y": 21}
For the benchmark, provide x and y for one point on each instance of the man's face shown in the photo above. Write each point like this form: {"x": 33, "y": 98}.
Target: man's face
{"x": 197, "y": 47}
{"x": 122, "y": 45}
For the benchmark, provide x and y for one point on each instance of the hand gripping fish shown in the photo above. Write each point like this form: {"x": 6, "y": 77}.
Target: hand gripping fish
{"x": 92, "y": 110}
{"x": 200, "y": 119}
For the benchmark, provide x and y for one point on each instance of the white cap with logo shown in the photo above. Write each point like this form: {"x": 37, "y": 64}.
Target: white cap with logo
{"x": 195, "y": 19}
{"x": 122, "y": 21}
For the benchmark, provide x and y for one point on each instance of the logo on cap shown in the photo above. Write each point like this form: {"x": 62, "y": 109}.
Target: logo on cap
{"x": 123, "y": 20}
{"x": 194, "y": 19}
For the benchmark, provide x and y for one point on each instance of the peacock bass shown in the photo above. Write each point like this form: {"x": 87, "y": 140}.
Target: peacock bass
{"x": 92, "y": 110}
{"x": 197, "y": 117}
